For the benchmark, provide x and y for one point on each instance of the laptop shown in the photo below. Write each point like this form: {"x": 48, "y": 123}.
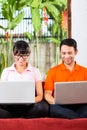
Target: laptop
{"x": 70, "y": 92}
{"x": 17, "y": 92}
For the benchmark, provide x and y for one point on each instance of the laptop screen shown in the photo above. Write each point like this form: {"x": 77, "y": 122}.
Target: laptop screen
{"x": 17, "y": 92}
{"x": 70, "y": 92}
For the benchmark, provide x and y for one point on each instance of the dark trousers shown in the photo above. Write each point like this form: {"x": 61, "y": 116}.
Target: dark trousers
{"x": 68, "y": 111}
{"x": 35, "y": 110}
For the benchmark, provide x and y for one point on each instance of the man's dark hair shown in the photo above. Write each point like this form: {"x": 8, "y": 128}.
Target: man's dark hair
{"x": 69, "y": 42}
{"x": 21, "y": 47}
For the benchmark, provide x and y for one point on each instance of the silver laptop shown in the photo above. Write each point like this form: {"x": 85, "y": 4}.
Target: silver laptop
{"x": 17, "y": 92}
{"x": 70, "y": 92}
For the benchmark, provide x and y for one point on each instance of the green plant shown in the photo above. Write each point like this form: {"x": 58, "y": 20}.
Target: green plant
{"x": 12, "y": 11}
{"x": 36, "y": 6}
{"x": 58, "y": 31}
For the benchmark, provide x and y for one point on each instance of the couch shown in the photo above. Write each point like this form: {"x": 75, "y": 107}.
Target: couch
{"x": 43, "y": 124}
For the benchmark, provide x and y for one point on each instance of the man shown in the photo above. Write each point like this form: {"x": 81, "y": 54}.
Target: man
{"x": 68, "y": 70}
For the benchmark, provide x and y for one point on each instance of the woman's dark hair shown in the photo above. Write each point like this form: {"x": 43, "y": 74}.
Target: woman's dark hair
{"x": 69, "y": 42}
{"x": 21, "y": 47}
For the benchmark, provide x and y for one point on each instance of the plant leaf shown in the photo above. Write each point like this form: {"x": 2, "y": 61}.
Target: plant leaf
{"x": 28, "y": 35}
{"x": 15, "y": 21}
{"x": 36, "y": 20}
{"x": 51, "y": 8}
{"x": 35, "y": 3}
{"x": 54, "y": 40}
{"x": 3, "y": 28}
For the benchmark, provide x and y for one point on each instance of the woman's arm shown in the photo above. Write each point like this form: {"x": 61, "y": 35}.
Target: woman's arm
{"x": 39, "y": 91}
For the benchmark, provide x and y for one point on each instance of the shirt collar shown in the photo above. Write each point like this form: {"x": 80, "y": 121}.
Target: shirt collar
{"x": 76, "y": 67}
{"x": 12, "y": 68}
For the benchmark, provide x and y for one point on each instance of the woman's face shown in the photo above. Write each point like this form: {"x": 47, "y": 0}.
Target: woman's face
{"x": 21, "y": 59}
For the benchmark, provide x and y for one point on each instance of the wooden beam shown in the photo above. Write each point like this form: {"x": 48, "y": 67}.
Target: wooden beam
{"x": 69, "y": 18}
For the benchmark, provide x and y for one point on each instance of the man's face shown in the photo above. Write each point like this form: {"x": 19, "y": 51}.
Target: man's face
{"x": 68, "y": 54}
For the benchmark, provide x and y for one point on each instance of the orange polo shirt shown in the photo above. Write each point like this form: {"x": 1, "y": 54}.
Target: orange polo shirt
{"x": 60, "y": 73}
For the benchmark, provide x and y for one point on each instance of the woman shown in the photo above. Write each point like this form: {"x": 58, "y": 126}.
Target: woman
{"x": 21, "y": 70}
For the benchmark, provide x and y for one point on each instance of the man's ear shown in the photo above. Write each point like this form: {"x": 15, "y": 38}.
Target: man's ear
{"x": 76, "y": 52}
